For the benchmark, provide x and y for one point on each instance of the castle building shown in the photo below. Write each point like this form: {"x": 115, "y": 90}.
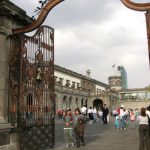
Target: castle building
{"x": 130, "y": 98}
{"x": 71, "y": 88}
{"x": 75, "y": 90}
{"x": 119, "y": 80}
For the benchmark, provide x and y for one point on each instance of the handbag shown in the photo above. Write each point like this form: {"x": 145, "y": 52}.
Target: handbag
{"x": 149, "y": 124}
{"x": 80, "y": 126}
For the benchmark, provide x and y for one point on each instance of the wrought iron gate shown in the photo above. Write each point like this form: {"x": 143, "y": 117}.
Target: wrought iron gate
{"x": 32, "y": 90}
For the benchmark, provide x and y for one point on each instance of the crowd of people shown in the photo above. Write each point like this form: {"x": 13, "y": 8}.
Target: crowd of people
{"x": 137, "y": 118}
{"x": 74, "y": 122}
{"x": 74, "y": 125}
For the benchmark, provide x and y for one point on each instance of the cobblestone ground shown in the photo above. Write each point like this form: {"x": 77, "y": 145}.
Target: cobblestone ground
{"x": 101, "y": 137}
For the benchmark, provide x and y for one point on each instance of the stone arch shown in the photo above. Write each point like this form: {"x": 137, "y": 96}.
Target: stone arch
{"x": 64, "y": 102}
{"x": 82, "y": 102}
{"x": 98, "y": 103}
{"x": 86, "y": 102}
{"x": 77, "y": 102}
{"x": 70, "y": 102}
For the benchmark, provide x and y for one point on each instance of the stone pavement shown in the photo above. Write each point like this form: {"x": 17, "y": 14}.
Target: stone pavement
{"x": 101, "y": 137}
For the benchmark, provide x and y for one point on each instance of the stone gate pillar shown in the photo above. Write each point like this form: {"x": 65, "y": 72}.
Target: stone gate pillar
{"x": 3, "y": 75}
{"x": 11, "y": 17}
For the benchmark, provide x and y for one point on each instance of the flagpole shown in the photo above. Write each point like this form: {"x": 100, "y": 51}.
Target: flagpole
{"x": 114, "y": 70}
{"x": 114, "y": 67}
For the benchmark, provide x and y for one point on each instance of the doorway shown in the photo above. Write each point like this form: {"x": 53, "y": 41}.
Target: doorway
{"x": 98, "y": 103}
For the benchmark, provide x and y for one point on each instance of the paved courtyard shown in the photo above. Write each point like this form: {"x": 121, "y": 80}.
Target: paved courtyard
{"x": 101, "y": 137}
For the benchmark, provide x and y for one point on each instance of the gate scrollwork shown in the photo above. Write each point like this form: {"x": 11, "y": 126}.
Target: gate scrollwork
{"x": 32, "y": 90}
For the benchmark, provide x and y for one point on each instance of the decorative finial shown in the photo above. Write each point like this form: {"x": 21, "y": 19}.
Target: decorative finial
{"x": 88, "y": 73}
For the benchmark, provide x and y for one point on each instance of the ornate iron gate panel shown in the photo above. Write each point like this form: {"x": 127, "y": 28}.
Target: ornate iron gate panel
{"x": 35, "y": 86}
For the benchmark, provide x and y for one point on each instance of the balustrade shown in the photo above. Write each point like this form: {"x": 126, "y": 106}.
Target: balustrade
{"x": 70, "y": 90}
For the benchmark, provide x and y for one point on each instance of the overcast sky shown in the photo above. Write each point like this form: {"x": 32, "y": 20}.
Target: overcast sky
{"x": 96, "y": 34}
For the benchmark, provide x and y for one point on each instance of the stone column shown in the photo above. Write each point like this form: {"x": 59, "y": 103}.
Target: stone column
{"x": 11, "y": 17}
{"x": 3, "y": 75}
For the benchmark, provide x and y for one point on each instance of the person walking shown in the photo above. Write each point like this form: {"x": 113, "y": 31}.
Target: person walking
{"x": 132, "y": 119}
{"x": 68, "y": 132}
{"x": 94, "y": 114}
{"x": 122, "y": 119}
{"x": 59, "y": 113}
{"x": 84, "y": 112}
{"x": 144, "y": 130}
{"x": 90, "y": 114}
{"x": 117, "y": 123}
{"x": 105, "y": 111}
{"x": 148, "y": 111}
{"x": 100, "y": 115}
{"x": 78, "y": 127}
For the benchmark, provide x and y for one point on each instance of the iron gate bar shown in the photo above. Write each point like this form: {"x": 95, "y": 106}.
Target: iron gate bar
{"x": 36, "y": 105}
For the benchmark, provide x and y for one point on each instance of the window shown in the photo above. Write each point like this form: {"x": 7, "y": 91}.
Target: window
{"x": 148, "y": 95}
{"x": 60, "y": 81}
{"x": 141, "y": 95}
{"x": 73, "y": 84}
{"x": 67, "y": 83}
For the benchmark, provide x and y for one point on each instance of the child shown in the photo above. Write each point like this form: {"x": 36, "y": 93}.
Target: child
{"x": 117, "y": 123}
{"x": 132, "y": 118}
{"x": 68, "y": 132}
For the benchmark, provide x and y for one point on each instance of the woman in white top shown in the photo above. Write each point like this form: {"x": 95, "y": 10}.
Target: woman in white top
{"x": 100, "y": 115}
{"x": 144, "y": 130}
{"x": 90, "y": 113}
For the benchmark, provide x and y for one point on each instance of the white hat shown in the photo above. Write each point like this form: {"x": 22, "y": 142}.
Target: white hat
{"x": 122, "y": 106}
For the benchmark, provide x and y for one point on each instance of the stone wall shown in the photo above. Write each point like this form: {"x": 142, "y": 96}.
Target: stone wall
{"x": 9, "y": 141}
{"x": 134, "y": 104}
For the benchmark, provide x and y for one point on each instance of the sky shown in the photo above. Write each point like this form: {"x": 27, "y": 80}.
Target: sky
{"x": 95, "y": 35}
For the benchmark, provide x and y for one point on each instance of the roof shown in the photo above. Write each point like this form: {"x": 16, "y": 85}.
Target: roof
{"x": 132, "y": 90}
{"x": 11, "y": 10}
{"x": 72, "y": 73}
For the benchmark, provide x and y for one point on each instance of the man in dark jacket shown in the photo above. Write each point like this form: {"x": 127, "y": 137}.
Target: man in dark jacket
{"x": 105, "y": 111}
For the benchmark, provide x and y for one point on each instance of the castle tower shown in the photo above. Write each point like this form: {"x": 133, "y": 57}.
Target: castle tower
{"x": 119, "y": 80}
{"x": 115, "y": 82}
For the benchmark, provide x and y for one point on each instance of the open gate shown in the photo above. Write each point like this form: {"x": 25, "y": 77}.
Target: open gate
{"x": 31, "y": 99}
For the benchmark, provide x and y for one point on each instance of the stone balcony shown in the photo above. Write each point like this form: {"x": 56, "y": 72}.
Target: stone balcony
{"x": 99, "y": 94}
{"x": 72, "y": 91}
